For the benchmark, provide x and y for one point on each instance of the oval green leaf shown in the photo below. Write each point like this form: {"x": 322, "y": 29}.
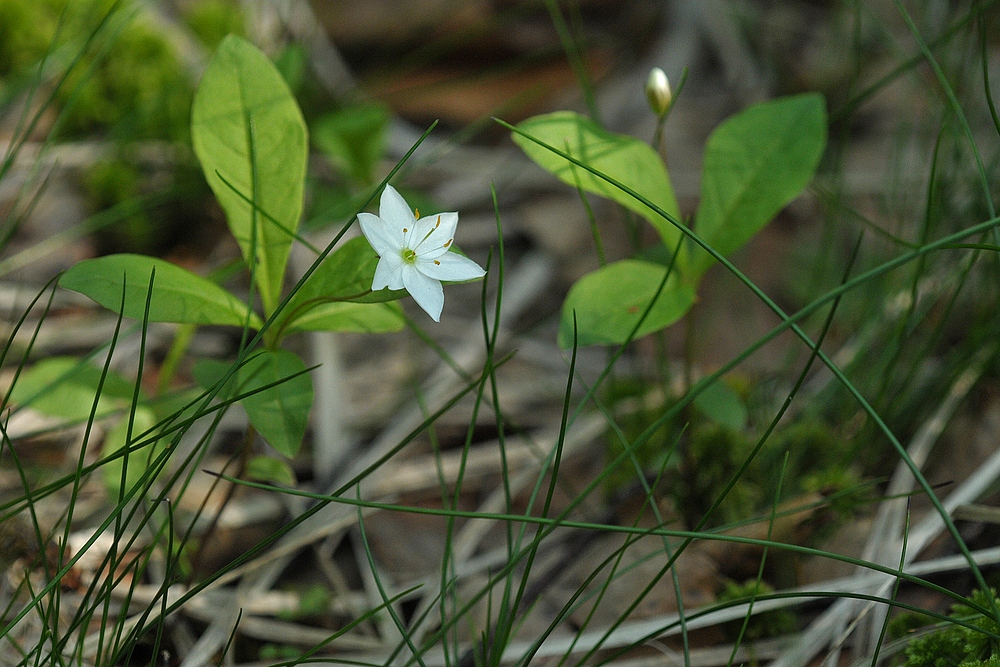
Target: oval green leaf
{"x": 625, "y": 159}
{"x": 610, "y": 301}
{"x": 178, "y": 295}
{"x": 344, "y": 276}
{"x": 66, "y": 387}
{"x": 723, "y": 405}
{"x": 251, "y": 140}
{"x": 756, "y": 162}
{"x": 353, "y": 317}
{"x": 270, "y": 470}
{"x": 280, "y": 413}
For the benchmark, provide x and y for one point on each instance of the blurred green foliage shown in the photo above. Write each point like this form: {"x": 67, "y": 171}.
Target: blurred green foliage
{"x": 138, "y": 90}
{"x": 26, "y": 30}
{"x": 129, "y": 82}
{"x": 353, "y": 141}
{"x": 129, "y": 85}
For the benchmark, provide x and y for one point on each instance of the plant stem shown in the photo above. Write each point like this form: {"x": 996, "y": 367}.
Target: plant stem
{"x": 182, "y": 340}
{"x": 241, "y": 457}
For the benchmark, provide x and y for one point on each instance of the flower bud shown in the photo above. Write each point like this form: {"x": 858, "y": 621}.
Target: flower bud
{"x": 658, "y": 91}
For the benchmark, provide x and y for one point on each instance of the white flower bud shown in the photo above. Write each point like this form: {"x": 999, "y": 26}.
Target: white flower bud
{"x": 658, "y": 91}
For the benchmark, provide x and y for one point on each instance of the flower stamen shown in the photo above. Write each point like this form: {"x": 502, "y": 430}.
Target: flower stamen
{"x": 428, "y": 234}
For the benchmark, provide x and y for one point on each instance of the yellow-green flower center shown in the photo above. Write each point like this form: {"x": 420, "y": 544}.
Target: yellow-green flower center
{"x": 409, "y": 256}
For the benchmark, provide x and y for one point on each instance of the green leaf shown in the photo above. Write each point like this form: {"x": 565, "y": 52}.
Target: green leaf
{"x": 625, "y": 159}
{"x": 178, "y": 295}
{"x": 279, "y": 413}
{"x": 345, "y": 275}
{"x": 608, "y": 303}
{"x": 138, "y": 460}
{"x": 66, "y": 387}
{"x": 353, "y": 139}
{"x": 755, "y": 163}
{"x": 248, "y": 132}
{"x": 723, "y": 405}
{"x": 271, "y": 470}
{"x": 354, "y": 317}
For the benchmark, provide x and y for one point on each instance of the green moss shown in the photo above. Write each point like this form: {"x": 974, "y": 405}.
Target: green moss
{"x": 109, "y": 182}
{"x": 314, "y": 602}
{"x": 138, "y": 91}
{"x": 279, "y": 652}
{"x": 958, "y": 646}
{"x": 129, "y": 82}
{"x": 905, "y": 623}
{"x": 26, "y": 30}
{"x": 715, "y": 455}
{"x": 772, "y": 623}
{"x": 717, "y": 452}
{"x": 212, "y": 20}
{"x": 180, "y": 217}
{"x": 651, "y": 454}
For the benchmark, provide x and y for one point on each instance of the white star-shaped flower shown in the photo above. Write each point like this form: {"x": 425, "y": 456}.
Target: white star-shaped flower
{"x": 413, "y": 252}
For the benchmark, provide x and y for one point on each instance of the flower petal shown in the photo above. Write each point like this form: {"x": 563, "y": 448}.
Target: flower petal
{"x": 394, "y": 210}
{"x": 438, "y": 237}
{"x": 450, "y": 266}
{"x": 421, "y": 228}
{"x": 383, "y": 238}
{"x": 389, "y": 272}
{"x": 427, "y": 292}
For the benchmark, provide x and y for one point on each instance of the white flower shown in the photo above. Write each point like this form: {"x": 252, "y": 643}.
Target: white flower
{"x": 413, "y": 252}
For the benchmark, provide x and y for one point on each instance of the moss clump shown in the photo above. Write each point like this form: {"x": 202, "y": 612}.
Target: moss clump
{"x": 26, "y": 30}
{"x": 212, "y": 20}
{"x": 772, "y": 623}
{"x": 716, "y": 452}
{"x": 164, "y": 206}
{"x": 138, "y": 90}
{"x": 128, "y": 83}
{"x": 956, "y": 645}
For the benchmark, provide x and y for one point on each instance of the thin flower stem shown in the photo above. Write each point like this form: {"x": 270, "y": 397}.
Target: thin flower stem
{"x": 658, "y": 136}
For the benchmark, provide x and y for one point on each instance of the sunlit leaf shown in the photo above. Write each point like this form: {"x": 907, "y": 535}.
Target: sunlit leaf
{"x": 625, "y": 159}
{"x": 756, "y": 163}
{"x": 250, "y": 138}
{"x": 178, "y": 295}
{"x": 609, "y": 302}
